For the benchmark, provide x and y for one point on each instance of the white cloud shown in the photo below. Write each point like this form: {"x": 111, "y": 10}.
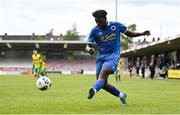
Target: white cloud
{"x": 39, "y": 16}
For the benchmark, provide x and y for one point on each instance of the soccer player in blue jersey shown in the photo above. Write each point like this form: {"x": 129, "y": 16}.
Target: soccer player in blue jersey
{"x": 106, "y": 35}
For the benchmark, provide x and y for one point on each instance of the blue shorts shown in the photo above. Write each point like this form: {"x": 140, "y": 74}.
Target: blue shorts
{"x": 108, "y": 60}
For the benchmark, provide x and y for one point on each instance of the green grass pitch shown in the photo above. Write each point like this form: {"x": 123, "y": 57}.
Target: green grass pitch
{"x": 68, "y": 95}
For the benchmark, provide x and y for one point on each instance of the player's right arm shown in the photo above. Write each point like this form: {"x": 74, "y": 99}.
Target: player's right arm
{"x": 90, "y": 49}
{"x": 90, "y": 41}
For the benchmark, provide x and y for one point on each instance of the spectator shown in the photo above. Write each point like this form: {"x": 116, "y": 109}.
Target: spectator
{"x": 143, "y": 70}
{"x": 137, "y": 69}
{"x": 152, "y": 69}
{"x": 131, "y": 70}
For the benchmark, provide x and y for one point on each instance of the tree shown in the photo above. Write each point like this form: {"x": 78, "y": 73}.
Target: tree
{"x": 72, "y": 34}
{"x": 49, "y": 35}
{"x": 39, "y": 37}
{"x": 125, "y": 41}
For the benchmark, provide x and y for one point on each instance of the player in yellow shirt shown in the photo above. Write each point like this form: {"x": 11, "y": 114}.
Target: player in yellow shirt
{"x": 43, "y": 67}
{"x": 117, "y": 72}
{"x": 36, "y": 63}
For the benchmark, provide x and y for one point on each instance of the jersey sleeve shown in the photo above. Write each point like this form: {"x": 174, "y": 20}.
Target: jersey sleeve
{"x": 91, "y": 37}
{"x": 122, "y": 27}
{"x": 39, "y": 57}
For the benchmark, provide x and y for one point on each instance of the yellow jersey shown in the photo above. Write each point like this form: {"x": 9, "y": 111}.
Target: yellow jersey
{"x": 36, "y": 59}
{"x": 43, "y": 65}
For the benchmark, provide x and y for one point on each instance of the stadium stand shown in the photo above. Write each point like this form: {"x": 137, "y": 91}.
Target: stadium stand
{"x": 164, "y": 54}
{"x": 71, "y": 65}
{"x": 16, "y": 51}
{"x": 19, "y": 60}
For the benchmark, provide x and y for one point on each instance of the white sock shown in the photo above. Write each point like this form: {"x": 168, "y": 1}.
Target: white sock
{"x": 95, "y": 90}
{"x": 121, "y": 94}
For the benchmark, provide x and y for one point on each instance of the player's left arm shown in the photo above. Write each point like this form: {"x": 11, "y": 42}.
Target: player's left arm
{"x": 136, "y": 34}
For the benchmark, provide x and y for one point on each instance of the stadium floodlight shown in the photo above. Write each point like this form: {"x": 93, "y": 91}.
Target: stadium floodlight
{"x": 116, "y": 9}
{"x": 8, "y": 45}
{"x": 37, "y": 45}
{"x": 65, "y": 46}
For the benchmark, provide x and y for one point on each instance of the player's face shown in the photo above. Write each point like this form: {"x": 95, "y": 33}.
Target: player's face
{"x": 101, "y": 22}
{"x": 35, "y": 52}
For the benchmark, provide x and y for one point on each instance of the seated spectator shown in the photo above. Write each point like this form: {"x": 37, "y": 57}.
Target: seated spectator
{"x": 163, "y": 72}
{"x": 178, "y": 65}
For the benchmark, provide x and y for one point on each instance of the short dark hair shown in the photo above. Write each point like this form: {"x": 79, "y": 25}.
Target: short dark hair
{"x": 35, "y": 50}
{"x": 99, "y": 13}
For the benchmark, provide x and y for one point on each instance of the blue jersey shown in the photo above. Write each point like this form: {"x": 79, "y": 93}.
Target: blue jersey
{"x": 108, "y": 38}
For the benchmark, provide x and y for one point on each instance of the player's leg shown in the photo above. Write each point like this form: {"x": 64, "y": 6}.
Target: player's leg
{"x": 108, "y": 87}
{"x": 35, "y": 72}
{"x": 38, "y": 72}
{"x": 103, "y": 76}
{"x": 43, "y": 72}
{"x": 33, "y": 69}
{"x": 116, "y": 75}
{"x": 102, "y": 72}
{"x": 114, "y": 91}
{"x": 99, "y": 83}
{"x": 119, "y": 76}
{"x": 105, "y": 71}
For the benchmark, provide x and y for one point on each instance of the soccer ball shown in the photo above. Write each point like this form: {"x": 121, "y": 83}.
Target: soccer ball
{"x": 43, "y": 83}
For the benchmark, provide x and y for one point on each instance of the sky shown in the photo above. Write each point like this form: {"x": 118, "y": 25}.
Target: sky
{"x": 24, "y": 17}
